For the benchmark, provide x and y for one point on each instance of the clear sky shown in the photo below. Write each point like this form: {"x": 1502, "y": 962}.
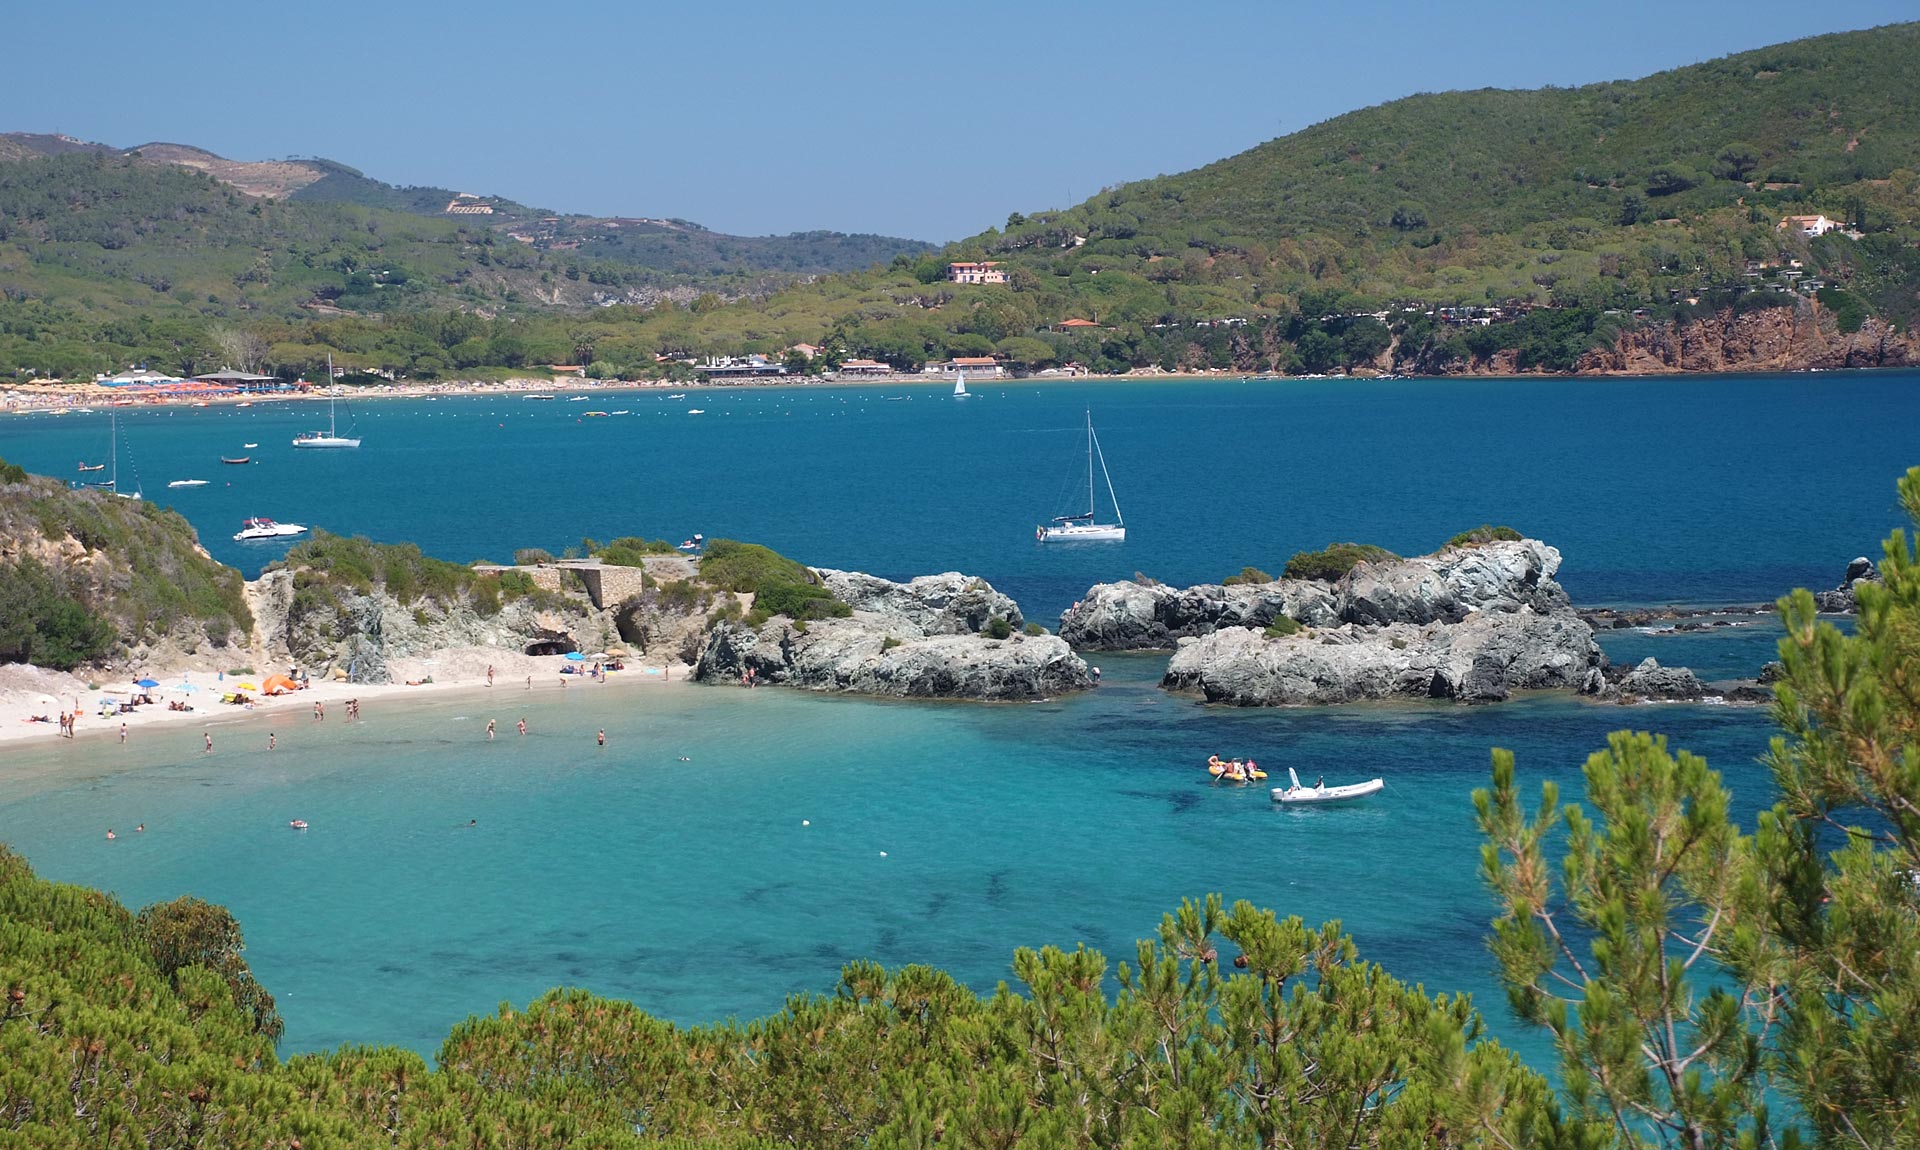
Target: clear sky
{"x": 930, "y": 120}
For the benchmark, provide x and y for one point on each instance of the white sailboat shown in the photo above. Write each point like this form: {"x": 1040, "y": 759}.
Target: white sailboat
{"x": 1084, "y": 527}
{"x": 332, "y": 438}
{"x": 112, "y": 482}
{"x": 960, "y": 385}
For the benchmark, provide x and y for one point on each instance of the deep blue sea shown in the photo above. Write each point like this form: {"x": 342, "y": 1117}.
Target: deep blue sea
{"x": 674, "y": 867}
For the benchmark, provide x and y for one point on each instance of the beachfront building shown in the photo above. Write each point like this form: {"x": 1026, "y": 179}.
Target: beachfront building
{"x": 746, "y": 367}
{"x": 1070, "y": 326}
{"x": 806, "y": 349}
{"x": 860, "y": 367}
{"x": 226, "y": 379}
{"x": 977, "y": 366}
{"x": 984, "y": 272}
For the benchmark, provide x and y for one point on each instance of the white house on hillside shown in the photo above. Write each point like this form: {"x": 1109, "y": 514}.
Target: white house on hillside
{"x": 1808, "y": 226}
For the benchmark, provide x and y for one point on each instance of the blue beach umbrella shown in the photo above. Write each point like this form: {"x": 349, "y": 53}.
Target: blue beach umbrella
{"x": 183, "y": 687}
{"x": 147, "y": 683}
{"x": 575, "y": 657}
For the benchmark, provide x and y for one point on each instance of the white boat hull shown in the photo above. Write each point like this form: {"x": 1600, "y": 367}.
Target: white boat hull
{"x": 1301, "y": 795}
{"x": 1092, "y": 533}
{"x": 326, "y": 441}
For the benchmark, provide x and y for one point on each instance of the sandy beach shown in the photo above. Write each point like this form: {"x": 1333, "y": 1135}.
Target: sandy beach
{"x": 28, "y": 692}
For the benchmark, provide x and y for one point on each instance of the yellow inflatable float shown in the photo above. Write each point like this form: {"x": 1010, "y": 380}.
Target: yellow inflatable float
{"x": 1234, "y": 771}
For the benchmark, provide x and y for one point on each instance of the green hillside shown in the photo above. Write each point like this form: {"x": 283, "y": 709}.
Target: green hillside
{"x": 86, "y": 575}
{"x": 1606, "y": 207}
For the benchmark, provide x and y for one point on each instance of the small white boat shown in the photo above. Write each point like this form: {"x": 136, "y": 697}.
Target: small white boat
{"x": 578, "y": 398}
{"x": 188, "y": 483}
{"x": 539, "y": 397}
{"x": 959, "y": 385}
{"x": 263, "y": 528}
{"x": 298, "y": 824}
{"x": 1320, "y": 793}
{"x": 696, "y": 411}
{"x": 678, "y": 395}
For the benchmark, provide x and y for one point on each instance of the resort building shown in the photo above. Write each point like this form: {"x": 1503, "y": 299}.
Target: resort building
{"x": 1808, "y": 226}
{"x": 468, "y": 204}
{"x": 986, "y": 272}
{"x": 1070, "y": 326}
{"x": 857, "y": 367}
{"x": 806, "y": 349}
{"x": 978, "y": 366}
{"x": 751, "y": 367}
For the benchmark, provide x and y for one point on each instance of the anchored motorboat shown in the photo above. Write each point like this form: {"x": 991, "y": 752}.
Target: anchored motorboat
{"x": 262, "y": 528}
{"x": 1319, "y": 792}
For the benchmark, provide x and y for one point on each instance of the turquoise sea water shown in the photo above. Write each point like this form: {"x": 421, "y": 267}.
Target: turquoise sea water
{"x": 692, "y": 887}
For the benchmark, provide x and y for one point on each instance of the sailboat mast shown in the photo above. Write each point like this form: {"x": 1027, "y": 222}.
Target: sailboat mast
{"x": 1089, "y": 465}
{"x": 330, "y": 430}
{"x": 113, "y": 447}
{"x": 1118, "y": 518}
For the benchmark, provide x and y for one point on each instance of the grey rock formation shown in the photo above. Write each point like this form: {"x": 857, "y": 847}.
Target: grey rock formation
{"x": 945, "y": 604}
{"x": 921, "y": 640}
{"x": 1483, "y": 658}
{"x": 1471, "y": 624}
{"x": 1649, "y": 680}
{"x": 1841, "y": 600}
{"x": 1132, "y": 617}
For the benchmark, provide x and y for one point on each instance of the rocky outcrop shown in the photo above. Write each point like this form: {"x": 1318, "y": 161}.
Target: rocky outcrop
{"x": 945, "y": 604}
{"x": 1841, "y": 600}
{"x": 1482, "y": 659}
{"x": 362, "y": 632}
{"x": 1135, "y": 617}
{"x": 1471, "y": 624}
{"x": 1649, "y": 680}
{"x": 926, "y": 639}
{"x": 1444, "y": 587}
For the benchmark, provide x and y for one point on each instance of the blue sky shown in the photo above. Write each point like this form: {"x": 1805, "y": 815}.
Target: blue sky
{"x": 754, "y": 116}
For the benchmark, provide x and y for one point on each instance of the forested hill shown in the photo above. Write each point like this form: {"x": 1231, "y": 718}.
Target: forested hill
{"x": 144, "y": 189}
{"x": 1626, "y": 226}
{"x": 1459, "y": 194}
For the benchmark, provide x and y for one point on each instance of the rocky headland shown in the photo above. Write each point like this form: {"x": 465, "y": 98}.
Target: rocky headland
{"x": 1470, "y": 623}
{"x": 944, "y": 636}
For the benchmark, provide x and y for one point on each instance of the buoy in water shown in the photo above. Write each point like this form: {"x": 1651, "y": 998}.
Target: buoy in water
{"x": 806, "y": 822}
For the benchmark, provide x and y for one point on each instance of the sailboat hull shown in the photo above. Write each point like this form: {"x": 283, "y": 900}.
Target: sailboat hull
{"x": 326, "y": 441}
{"x": 1089, "y": 533}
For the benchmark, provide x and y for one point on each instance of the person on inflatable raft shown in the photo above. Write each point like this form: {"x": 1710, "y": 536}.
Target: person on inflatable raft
{"x": 1234, "y": 770}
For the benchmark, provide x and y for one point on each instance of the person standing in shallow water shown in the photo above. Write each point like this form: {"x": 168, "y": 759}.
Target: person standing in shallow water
{"x": 603, "y": 736}
{"x": 489, "y": 730}
{"x": 523, "y": 726}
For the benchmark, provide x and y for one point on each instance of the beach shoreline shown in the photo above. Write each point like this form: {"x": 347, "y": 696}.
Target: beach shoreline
{"x": 27, "y": 691}
{"x": 60, "y": 399}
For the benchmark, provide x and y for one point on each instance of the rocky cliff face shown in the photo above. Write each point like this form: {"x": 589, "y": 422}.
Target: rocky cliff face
{"x": 363, "y": 632}
{"x": 1471, "y": 624}
{"x": 1794, "y": 338}
{"x": 923, "y": 639}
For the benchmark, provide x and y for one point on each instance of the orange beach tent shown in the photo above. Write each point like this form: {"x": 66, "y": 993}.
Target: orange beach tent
{"x": 279, "y": 684}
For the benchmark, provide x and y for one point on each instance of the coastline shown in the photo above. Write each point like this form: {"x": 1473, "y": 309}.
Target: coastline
{"x": 27, "y": 691}
{"x": 62, "y": 399}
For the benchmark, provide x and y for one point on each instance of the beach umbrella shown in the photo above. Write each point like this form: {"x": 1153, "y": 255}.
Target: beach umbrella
{"x": 146, "y": 683}
{"x": 183, "y": 687}
{"x": 575, "y": 657}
